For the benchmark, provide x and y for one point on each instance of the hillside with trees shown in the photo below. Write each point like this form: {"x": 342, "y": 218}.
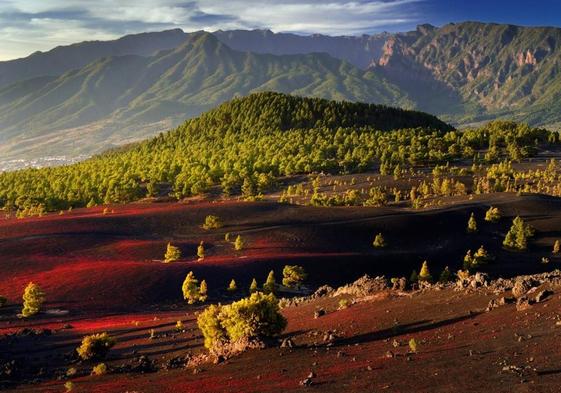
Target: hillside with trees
{"x": 241, "y": 147}
{"x": 244, "y": 146}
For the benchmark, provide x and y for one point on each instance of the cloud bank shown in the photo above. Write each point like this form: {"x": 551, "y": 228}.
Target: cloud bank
{"x": 30, "y": 25}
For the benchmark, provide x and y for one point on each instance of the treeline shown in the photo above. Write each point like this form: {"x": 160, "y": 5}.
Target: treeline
{"x": 244, "y": 145}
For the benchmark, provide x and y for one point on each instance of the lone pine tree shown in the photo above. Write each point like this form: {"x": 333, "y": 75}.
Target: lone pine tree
{"x": 201, "y": 250}
{"x": 269, "y": 286}
{"x": 172, "y": 253}
{"x": 424, "y": 275}
{"x": 472, "y": 224}
{"x": 33, "y": 298}
{"x": 379, "y": 241}
{"x": 190, "y": 288}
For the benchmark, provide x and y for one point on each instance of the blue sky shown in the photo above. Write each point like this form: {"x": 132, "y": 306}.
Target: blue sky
{"x": 30, "y": 25}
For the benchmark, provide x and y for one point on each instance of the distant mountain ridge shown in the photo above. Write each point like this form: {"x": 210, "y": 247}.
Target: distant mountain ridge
{"x": 65, "y": 58}
{"x": 126, "y": 98}
{"x": 83, "y": 98}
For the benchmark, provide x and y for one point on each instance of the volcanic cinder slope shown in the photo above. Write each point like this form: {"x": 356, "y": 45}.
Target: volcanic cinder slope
{"x": 104, "y": 273}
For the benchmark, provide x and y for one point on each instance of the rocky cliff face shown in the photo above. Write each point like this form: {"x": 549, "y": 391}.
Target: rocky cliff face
{"x": 491, "y": 67}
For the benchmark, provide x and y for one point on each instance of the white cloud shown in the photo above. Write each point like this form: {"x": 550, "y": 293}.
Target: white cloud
{"x": 30, "y": 25}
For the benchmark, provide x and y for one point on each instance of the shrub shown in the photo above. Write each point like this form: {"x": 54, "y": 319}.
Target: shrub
{"x": 190, "y": 288}
{"x": 239, "y": 243}
{"x": 179, "y": 326}
{"x": 472, "y": 224}
{"x": 412, "y": 346}
{"x": 293, "y": 276}
{"x": 517, "y": 236}
{"x": 344, "y": 303}
{"x": 269, "y": 286}
{"x": 253, "y": 286}
{"x": 232, "y": 287}
{"x": 481, "y": 257}
{"x": 493, "y": 214}
{"x": 100, "y": 369}
{"x": 172, "y": 253}
{"x": 211, "y": 328}
{"x": 95, "y": 346}
{"x": 203, "y": 291}
{"x": 201, "y": 250}
{"x": 424, "y": 275}
{"x": 33, "y": 298}
{"x": 379, "y": 241}
{"x": 69, "y": 386}
{"x": 212, "y": 222}
{"x": 256, "y": 316}
{"x": 227, "y": 237}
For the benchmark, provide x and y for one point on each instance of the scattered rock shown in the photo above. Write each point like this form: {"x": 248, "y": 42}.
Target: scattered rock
{"x": 473, "y": 281}
{"x": 521, "y": 287}
{"x": 287, "y": 343}
{"x": 364, "y": 286}
{"x": 523, "y": 303}
{"x": 306, "y": 382}
{"x": 400, "y": 284}
{"x": 542, "y": 295}
{"x": 319, "y": 313}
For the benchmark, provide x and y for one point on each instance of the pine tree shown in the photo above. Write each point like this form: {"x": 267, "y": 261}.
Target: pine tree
{"x": 253, "y": 287}
{"x": 212, "y": 222}
{"x": 510, "y": 240}
{"x": 445, "y": 275}
{"x": 233, "y": 286}
{"x": 172, "y": 253}
{"x": 472, "y": 224}
{"x": 414, "y": 277}
{"x": 556, "y": 247}
{"x": 293, "y": 276}
{"x": 239, "y": 243}
{"x": 424, "y": 275}
{"x": 203, "y": 291}
{"x": 201, "y": 250}
{"x": 379, "y": 241}
{"x": 269, "y": 286}
{"x": 33, "y": 298}
{"x": 190, "y": 288}
{"x": 518, "y": 234}
{"x": 468, "y": 260}
{"x": 493, "y": 214}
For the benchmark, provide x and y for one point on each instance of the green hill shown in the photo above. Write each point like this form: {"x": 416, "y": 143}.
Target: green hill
{"x": 241, "y": 146}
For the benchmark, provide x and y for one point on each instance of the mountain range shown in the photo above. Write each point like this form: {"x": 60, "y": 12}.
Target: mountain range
{"x": 88, "y": 97}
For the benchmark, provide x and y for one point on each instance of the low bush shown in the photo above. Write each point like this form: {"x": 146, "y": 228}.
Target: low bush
{"x": 100, "y": 369}
{"x": 212, "y": 222}
{"x": 95, "y": 346}
{"x": 255, "y": 317}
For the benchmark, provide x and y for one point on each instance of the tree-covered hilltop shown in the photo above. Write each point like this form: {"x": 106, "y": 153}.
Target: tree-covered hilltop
{"x": 244, "y": 145}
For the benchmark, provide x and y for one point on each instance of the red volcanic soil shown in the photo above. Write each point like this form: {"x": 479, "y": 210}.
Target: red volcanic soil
{"x": 104, "y": 273}
{"x": 90, "y": 262}
{"x": 459, "y": 348}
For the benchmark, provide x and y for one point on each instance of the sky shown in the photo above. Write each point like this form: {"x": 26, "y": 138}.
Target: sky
{"x": 27, "y": 26}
